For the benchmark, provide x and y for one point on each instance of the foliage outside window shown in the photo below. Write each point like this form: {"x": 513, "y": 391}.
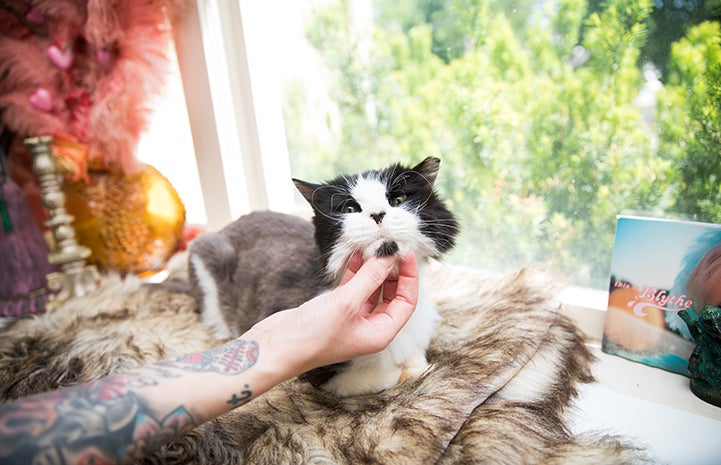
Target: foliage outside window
{"x": 550, "y": 116}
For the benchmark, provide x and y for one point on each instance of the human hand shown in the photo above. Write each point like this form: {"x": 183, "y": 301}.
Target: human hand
{"x": 361, "y": 316}
{"x": 372, "y": 303}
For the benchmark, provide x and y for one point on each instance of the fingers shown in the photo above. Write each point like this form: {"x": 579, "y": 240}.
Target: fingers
{"x": 366, "y": 281}
{"x": 404, "y": 290}
{"x": 399, "y": 300}
{"x": 407, "y": 274}
{"x": 362, "y": 282}
{"x": 407, "y": 284}
{"x": 354, "y": 264}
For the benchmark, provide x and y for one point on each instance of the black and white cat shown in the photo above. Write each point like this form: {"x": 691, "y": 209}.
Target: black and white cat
{"x": 265, "y": 262}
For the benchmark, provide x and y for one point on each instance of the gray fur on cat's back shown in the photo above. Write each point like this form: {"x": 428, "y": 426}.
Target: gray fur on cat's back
{"x": 261, "y": 263}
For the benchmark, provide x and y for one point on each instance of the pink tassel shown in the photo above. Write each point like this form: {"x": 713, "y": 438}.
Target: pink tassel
{"x": 104, "y": 26}
{"x": 28, "y": 120}
{"x": 91, "y": 74}
{"x": 24, "y": 67}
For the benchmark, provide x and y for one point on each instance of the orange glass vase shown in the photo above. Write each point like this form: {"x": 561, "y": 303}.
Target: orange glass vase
{"x": 131, "y": 222}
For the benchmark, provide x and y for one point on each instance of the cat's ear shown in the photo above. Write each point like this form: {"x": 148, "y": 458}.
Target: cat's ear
{"x": 428, "y": 168}
{"x": 306, "y": 189}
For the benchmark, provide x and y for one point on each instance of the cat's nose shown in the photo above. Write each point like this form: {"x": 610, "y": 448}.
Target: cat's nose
{"x": 378, "y": 217}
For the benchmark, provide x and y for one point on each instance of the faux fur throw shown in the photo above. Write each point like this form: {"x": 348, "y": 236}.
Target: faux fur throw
{"x": 505, "y": 367}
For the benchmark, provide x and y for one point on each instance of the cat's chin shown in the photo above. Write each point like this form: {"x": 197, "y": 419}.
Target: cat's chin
{"x": 387, "y": 249}
{"x": 384, "y": 248}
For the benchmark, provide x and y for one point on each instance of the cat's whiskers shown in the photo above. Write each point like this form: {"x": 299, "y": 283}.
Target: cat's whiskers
{"x": 442, "y": 222}
{"x": 338, "y": 191}
{"x": 343, "y": 202}
{"x": 421, "y": 245}
{"x": 397, "y": 180}
{"x": 338, "y": 258}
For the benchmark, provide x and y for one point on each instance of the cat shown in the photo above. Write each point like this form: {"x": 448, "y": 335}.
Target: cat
{"x": 266, "y": 261}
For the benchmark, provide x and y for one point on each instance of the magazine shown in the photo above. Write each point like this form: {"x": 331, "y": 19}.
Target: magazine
{"x": 660, "y": 267}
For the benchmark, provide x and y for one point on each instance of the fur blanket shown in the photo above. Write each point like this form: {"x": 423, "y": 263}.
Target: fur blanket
{"x": 505, "y": 367}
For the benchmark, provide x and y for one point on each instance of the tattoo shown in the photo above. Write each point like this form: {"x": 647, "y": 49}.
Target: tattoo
{"x": 101, "y": 422}
{"x": 230, "y": 359}
{"x": 149, "y": 433}
{"x": 245, "y": 396}
{"x": 109, "y": 420}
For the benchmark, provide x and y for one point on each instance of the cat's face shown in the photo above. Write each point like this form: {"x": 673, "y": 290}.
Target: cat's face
{"x": 383, "y": 212}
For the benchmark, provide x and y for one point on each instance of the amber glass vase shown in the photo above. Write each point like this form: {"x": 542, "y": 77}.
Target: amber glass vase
{"x": 131, "y": 222}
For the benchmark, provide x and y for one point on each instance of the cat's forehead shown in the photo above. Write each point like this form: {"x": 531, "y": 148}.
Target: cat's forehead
{"x": 368, "y": 188}
{"x": 375, "y": 183}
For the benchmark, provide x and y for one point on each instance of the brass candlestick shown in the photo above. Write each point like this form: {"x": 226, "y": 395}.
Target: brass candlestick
{"x": 75, "y": 278}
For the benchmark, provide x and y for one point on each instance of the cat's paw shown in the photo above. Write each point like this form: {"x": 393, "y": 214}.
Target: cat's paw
{"x": 413, "y": 369}
{"x": 358, "y": 382}
{"x": 353, "y": 382}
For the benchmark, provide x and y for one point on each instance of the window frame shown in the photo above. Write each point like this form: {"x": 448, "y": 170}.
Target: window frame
{"x": 235, "y": 118}
{"x": 239, "y": 162}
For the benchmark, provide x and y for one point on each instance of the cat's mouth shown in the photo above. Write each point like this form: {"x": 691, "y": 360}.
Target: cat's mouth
{"x": 384, "y": 248}
{"x": 387, "y": 249}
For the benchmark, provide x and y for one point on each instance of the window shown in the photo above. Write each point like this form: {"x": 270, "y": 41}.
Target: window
{"x": 168, "y": 145}
{"x": 551, "y": 117}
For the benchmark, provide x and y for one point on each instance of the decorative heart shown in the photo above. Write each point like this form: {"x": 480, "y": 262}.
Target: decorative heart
{"x": 103, "y": 57}
{"x": 35, "y": 17}
{"x": 42, "y": 99}
{"x": 60, "y": 58}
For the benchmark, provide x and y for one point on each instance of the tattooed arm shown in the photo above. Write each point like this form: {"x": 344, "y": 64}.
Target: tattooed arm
{"x": 121, "y": 418}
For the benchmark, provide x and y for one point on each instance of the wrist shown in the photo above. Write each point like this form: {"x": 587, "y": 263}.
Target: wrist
{"x": 281, "y": 355}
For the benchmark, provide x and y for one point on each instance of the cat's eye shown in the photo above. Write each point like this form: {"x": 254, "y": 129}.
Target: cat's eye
{"x": 350, "y": 207}
{"x": 398, "y": 199}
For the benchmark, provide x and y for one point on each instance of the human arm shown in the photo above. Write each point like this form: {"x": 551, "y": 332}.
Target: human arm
{"x": 121, "y": 418}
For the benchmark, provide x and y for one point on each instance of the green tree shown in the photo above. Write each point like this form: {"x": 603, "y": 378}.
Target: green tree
{"x": 534, "y": 116}
{"x": 692, "y": 130}
{"x": 668, "y": 23}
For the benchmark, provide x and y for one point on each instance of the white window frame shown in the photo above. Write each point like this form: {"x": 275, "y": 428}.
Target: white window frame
{"x": 235, "y": 115}
{"x": 243, "y": 164}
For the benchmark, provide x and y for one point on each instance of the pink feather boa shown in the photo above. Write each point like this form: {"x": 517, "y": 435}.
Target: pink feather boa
{"x": 117, "y": 54}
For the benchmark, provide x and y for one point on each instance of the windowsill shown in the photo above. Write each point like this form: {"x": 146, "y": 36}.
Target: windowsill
{"x": 586, "y": 307}
{"x": 653, "y": 407}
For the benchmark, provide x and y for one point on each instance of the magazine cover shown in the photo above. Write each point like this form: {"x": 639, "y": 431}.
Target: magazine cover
{"x": 660, "y": 267}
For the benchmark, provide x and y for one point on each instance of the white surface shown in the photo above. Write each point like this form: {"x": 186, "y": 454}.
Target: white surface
{"x": 653, "y": 407}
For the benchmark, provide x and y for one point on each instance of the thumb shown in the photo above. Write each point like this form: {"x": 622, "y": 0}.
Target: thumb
{"x": 368, "y": 278}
